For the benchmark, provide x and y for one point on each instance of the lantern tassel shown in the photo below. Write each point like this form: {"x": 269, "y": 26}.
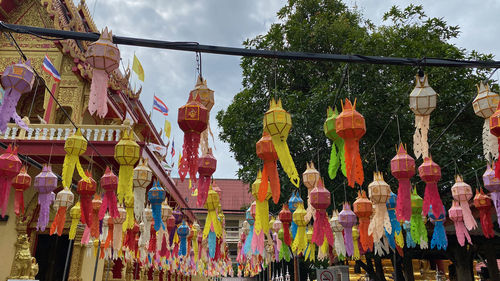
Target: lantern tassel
{"x": 490, "y": 143}
{"x": 110, "y": 204}
{"x": 431, "y": 197}
{"x": 322, "y": 230}
{"x": 379, "y": 222}
{"x": 462, "y": 233}
{"x": 486, "y": 224}
{"x": 365, "y": 238}
{"x": 403, "y": 205}
{"x": 286, "y": 234}
{"x": 270, "y": 173}
{"x": 410, "y": 242}
{"x": 44, "y": 200}
{"x": 58, "y": 223}
{"x": 310, "y": 252}
{"x": 261, "y": 226}
{"x": 355, "y": 239}
{"x": 70, "y": 162}
{"x": 158, "y": 223}
{"x": 117, "y": 238}
{"x": 439, "y": 239}
{"x": 285, "y": 252}
{"x": 125, "y": 182}
{"x": 420, "y": 144}
{"x": 248, "y": 241}
{"x": 418, "y": 230}
{"x": 339, "y": 245}
{"x": 323, "y": 250}
{"x": 5, "y": 184}
{"x": 75, "y": 218}
{"x": 183, "y": 246}
{"x": 495, "y": 197}
{"x": 469, "y": 221}
{"x": 211, "y": 244}
{"x": 98, "y": 93}
{"x": 286, "y": 159}
{"x": 381, "y": 247}
{"x": 203, "y": 186}
{"x": 354, "y": 166}
{"x": 300, "y": 242}
{"x": 85, "y": 236}
{"x": 348, "y": 241}
{"x": 189, "y": 156}
{"x": 152, "y": 242}
{"x": 86, "y": 209}
{"x": 109, "y": 237}
{"x": 8, "y": 109}
{"x": 18, "y": 202}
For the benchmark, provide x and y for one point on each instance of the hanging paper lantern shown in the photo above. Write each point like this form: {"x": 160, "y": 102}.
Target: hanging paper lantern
{"x": 75, "y": 218}
{"x": 395, "y": 237}
{"x": 277, "y": 122}
{"x": 456, "y": 215}
{"x": 75, "y": 146}
{"x": 193, "y": 120}
{"x": 64, "y": 199}
{"x": 347, "y": 219}
{"x": 381, "y": 248}
{"x": 104, "y": 57}
{"x": 292, "y": 205}
{"x": 482, "y": 202}
{"x": 439, "y": 240}
{"x": 142, "y": 178}
{"x": 363, "y": 209}
{"x": 310, "y": 177}
{"x": 213, "y": 228}
{"x": 379, "y": 193}
{"x": 10, "y": 165}
{"x": 183, "y": 232}
{"x": 109, "y": 183}
{"x": 350, "y": 126}
{"x": 418, "y": 230}
{"x": 94, "y": 227}
{"x": 300, "y": 242}
{"x": 403, "y": 168}
{"x": 355, "y": 238}
{"x": 86, "y": 189}
{"x": 207, "y": 165}
{"x": 410, "y": 243}
{"x": 430, "y": 172}
{"x": 285, "y": 252}
{"x": 250, "y": 218}
{"x": 462, "y": 193}
{"x": 206, "y": 96}
{"x": 320, "y": 200}
{"x": 156, "y": 196}
{"x": 127, "y": 154}
{"x": 492, "y": 184}
{"x": 337, "y": 155}
{"x": 16, "y": 79}
{"x": 266, "y": 152}
{"x": 20, "y": 183}
{"x": 485, "y": 105}
{"x": 285, "y": 216}
{"x": 422, "y": 102}
{"x": 261, "y": 225}
{"x": 310, "y": 254}
{"x": 118, "y": 230}
{"x": 337, "y": 233}
{"x": 45, "y": 183}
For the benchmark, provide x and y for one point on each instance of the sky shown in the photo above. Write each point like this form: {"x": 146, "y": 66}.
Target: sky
{"x": 171, "y": 75}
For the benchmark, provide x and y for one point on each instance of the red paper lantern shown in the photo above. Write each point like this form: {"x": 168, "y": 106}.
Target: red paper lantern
{"x": 403, "y": 168}
{"x": 482, "y": 202}
{"x": 20, "y": 183}
{"x": 207, "y": 165}
{"x": 363, "y": 209}
{"x": 320, "y": 200}
{"x": 86, "y": 189}
{"x": 266, "y": 152}
{"x": 109, "y": 182}
{"x": 350, "y": 126}
{"x": 10, "y": 165}
{"x": 430, "y": 172}
{"x": 285, "y": 217}
{"x": 193, "y": 120}
{"x": 96, "y": 205}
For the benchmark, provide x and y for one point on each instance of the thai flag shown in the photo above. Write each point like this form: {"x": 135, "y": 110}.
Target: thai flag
{"x": 48, "y": 67}
{"x": 160, "y": 106}
{"x": 172, "y": 152}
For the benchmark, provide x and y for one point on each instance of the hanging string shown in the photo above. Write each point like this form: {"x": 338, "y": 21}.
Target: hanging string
{"x": 198, "y": 64}
{"x": 457, "y": 171}
{"x": 399, "y": 130}
{"x": 50, "y": 155}
{"x": 477, "y": 179}
{"x": 345, "y": 193}
{"x": 375, "y": 155}
{"x": 34, "y": 96}
{"x": 341, "y": 85}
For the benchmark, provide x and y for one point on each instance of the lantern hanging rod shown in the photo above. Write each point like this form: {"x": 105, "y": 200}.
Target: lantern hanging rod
{"x": 232, "y": 51}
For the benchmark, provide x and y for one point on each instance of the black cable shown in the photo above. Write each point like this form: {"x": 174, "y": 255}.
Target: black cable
{"x": 59, "y": 104}
{"x": 196, "y": 47}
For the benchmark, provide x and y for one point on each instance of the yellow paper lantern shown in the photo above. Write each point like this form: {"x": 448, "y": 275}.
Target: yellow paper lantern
{"x": 126, "y": 154}
{"x": 277, "y": 122}
{"x": 75, "y": 146}
{"x": 300, "y": 242}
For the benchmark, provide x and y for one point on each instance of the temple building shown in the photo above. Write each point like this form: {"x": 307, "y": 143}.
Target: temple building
{"x": 57, "y": 257}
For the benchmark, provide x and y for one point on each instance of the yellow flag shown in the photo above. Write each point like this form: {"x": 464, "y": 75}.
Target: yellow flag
{"x": 137, "y": 68}
{"x": 180, "y": 158}
{"x": 167, "y": 128}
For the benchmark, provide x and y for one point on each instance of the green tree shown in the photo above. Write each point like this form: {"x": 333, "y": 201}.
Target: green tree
{"x": 307, "y": 88}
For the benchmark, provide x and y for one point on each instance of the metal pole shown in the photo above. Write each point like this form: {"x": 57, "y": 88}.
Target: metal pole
{"x": 70, "y": 246}
{"x": 96, "y": 259}
{"x": 296, "y": 272}
{"x": 221, "y": 50}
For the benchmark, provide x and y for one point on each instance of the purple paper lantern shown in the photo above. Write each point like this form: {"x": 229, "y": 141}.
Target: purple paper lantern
{"x": 492, "y": 184}
{"x": 347, "y": 218}
{"x": 16, "y": 79}
{"x": 45, "y": 183}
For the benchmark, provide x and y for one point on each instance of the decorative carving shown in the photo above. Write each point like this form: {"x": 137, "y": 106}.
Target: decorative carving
{"x": 24, "y": 265}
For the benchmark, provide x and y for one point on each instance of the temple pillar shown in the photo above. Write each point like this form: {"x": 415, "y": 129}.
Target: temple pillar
{"x": 75, "y": 269}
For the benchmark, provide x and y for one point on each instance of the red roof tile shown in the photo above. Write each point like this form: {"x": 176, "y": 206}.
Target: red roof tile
{"x": 235, "y": 193}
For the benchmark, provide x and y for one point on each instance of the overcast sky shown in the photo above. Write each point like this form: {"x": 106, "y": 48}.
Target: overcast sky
{"x": 172, "y": 74}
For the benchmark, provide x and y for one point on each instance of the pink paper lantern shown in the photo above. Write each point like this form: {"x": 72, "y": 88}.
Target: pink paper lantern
{"x": 10, "y": 165}
{"x": 104, "y": 57}
{"x": 403, "y": 168}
